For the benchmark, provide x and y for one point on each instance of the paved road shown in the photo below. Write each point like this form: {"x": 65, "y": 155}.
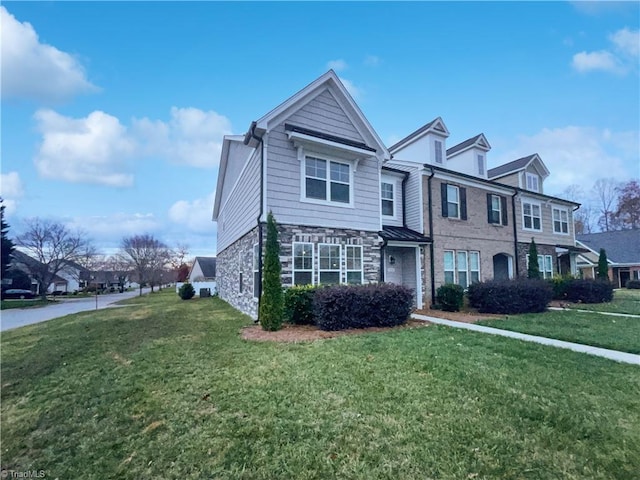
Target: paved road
{"x": 19, "y": 317}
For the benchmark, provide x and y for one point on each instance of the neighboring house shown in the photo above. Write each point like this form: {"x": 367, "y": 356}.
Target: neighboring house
{"x": 349, "y": 210}
{"x": 623, "y": 255}
{"x": 27, "y": 264}
{"x": 203, "y": 270}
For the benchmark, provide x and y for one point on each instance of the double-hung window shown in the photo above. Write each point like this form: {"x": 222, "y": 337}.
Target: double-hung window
{"x": 533, "y": 182}
{"x": 560, "y": 221}
{"x": 386, "y": 193}
{"x": 329, "y": 263}
{"x": 354, "y": 263}
{"x": 531, "y": 216}
{"x": 449, "y": 266}
{"x": 474, "y": 267}
{"x": 495, "y": 209}
{"x": 461, "y": 267}
{"x": 453, "y": 201}
{"x": 327, "y": 180}
{"x": 545, "y": 265}
{"x": 302, "y": 263}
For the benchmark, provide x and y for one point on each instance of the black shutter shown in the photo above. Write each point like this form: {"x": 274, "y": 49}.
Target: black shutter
{"x": 463, "y": 203}
{"x": 489, "y": 209}
{"x": 503, "y": 202}
{"x": 443, "y": 194}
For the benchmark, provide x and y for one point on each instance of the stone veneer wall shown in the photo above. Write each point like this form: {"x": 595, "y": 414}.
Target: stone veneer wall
{"x": 523, "y": 251}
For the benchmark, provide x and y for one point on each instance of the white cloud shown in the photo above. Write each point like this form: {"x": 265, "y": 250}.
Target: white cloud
{"x": 35, "y": 70}
{"x": 337, "y": 65}
{"x": 192, "y": 136}
{"x": 579, "y": 155}
{"x": 194, "y": 215}
{"x": 108, "y": 230}
{"x": 372, "y": 61}
{"x": 93, "y": 149}
{"x": 11, "y": 191}
{"x": 627, "y": 41}
{"x": 355, "y": 92}
{"x": 601, "y": 60}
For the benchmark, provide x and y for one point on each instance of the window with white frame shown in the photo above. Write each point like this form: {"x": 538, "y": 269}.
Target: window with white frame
{"x": 545, "y": 265}
{"x": 438, "y": 148}
{"x": 531, "y": 216}
{"x": 327, "y": 180}
{"x": 533, "y": 182}
{"x": 302, "y": 263}
{"x": 256, "y": 269}
{"x": 453, "y": 201}
{"x": 354, "y": 263}
{"x": 474, "y": 267}
{"x": 386, "y": 193}
{"x": 495, "y": 211}
{"x": 480, "y": 159}
{"x": 560, "y": 221}
{"x": 462, "y": 261}
{"x": 461, "y": 267}
{"x": 328, "y": 263}
{"x": 449, "y": 267}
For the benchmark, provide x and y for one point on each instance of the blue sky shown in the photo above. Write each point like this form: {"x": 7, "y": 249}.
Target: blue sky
{"x": 113, "y": 113}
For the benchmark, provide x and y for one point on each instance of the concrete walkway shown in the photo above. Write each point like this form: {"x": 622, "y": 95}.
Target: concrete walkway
{"x": 613, "y": 314}
{"x": 576, "y": 347}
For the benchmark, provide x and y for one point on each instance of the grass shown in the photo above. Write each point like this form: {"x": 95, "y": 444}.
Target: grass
{"x": 615, "y": 333}
{"x": 624, "y": 301}
{"x": 37, "y": 302}
{"x": 167, "y": 389}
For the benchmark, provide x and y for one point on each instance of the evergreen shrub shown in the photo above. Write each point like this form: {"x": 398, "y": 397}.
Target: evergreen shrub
{"x": 186, "y": 291}
{"x": 590, "y": 290}
{"x": 633, "y": 284}
{"x": 298, "y": 304}
{"x": 450, "y": 297}
{"x": 510, "y": 296}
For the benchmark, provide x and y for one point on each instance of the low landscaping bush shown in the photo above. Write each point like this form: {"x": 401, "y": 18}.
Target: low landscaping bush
{"x": 510, "y": 296}
{"x": 633, "y": 284}
{"x": 450, "y": 297}
{"x": 560, "y": 285}
{"x": 362, "y": 306}
{"x": 186, "y": 291}
{"x": 298, "y": 305}
{"x": 590, "y": 291}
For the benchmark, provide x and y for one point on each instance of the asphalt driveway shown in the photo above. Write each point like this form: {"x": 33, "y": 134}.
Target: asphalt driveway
{"x": 19, "y": 317}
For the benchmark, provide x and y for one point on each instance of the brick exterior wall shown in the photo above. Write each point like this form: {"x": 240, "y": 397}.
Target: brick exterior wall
{"x": 523, "y": 252}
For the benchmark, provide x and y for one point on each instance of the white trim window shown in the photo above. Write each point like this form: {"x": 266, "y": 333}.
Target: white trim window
{"x": 561, "y": 221}
{"x": 354, "y": 264}
{"x": 327, "y": 181}
{"x": 329, "y": 267}
{"x": 496, "y": 209}
{"x": 386, "y": 194}
{"x": 461, "y": 267}
{"x": 474, "y": 267}
{"x": 480, "y": 159}
{"x": 453, "y": 201}
{"x": 302, "y": 271}
{"x": 449, "y": 266}
{"x": 256, "y": 270}
{"x": 462, "y": 261}
{"x": 532, "y": 182}
{"x": 545, "y": 265}
{"x": 438, "y": 151}
{"x": 531, "y": 216}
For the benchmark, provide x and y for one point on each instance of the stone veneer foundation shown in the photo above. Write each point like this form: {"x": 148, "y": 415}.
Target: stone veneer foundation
{"x": 523, "y": 252}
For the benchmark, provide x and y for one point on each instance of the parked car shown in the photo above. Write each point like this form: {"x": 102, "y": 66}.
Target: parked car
{"x": 17, "y": 293}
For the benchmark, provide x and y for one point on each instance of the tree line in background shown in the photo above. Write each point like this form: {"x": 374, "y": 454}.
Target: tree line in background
{"x": 609, "y": 205}
{"x": 143, "y": 258}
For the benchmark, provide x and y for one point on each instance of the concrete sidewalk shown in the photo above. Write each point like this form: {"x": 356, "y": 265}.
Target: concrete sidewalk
{"x": 576, "y": 347}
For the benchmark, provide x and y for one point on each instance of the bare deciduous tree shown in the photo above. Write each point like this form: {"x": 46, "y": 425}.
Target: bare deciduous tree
{"x": 605, "y": 193}
{"x": 146, "y": 256}
{"x": 53, "y": 245}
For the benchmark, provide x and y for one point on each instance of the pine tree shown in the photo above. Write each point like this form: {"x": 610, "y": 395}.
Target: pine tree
{"x": 533, "y": 270}
{"x": 603, "y": 265}
{"x": 272, "y": 301}
{"x": 7, "y": 245}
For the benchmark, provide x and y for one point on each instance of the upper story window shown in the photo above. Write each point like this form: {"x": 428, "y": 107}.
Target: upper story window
{"x": 480, "y": 159}
{"x": 386, "y": 193}
{"x": 531, "y": 216}
{"x": 560, "y": 221}
{"x": 438, "y": 148}
{"x": 494, "y": 209}
{"x": 533, "y": 182}
{"x": 454, "y": 201}
{"x": 327, "y": 180}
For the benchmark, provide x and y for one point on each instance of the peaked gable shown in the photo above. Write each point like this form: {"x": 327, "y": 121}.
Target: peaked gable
{"x": 436, "y": 126}
{"x": 519, "y": 165}
{"x": 479, "y": 141}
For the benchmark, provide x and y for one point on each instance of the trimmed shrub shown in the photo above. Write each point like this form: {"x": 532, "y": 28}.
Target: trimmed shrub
{"x": 603, "y": 265}
{"x": 533, "y": 270}
{"x": 633, "y": 284}
{"x": 590, "y": 291}
{"x": 272, "y": 301}
{"x": 450, "y": 297}
{"x": 186, "y": 291}
{"x": 560, "y": 286}
{"x": 510, "y": 296}
{"x": 362, "y": 306}
{"x": 298, "y": 305}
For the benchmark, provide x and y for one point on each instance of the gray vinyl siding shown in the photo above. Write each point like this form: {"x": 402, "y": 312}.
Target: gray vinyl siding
{"x": 412, "y": 195}
{"x": 511, "y": 180}
{"x": 238, "y": 157}
{"x": 324, "y": 114}
{"x": 239, "y": 213}
{"x": 283, "y": 190}
{"x": 546, "y": 236}
{"x": 397, "y": 201}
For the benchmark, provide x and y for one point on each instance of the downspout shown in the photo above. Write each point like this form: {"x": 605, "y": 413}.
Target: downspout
{"x": 404, "y": 199}
{"x": 433, "y": 267}
{"x": 382, "y": 254}
{"x": 252, "y": 134}
{"x": 515, "y": 233}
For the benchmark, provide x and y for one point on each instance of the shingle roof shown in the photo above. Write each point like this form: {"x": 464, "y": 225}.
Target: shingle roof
{"x": 463, "y": 145}
{"x": 326, "y": 136}
{"x": 512, "y": 166}
{"x": 621, "y": 246}
{"x": 424, "y": 128}
{"x": 208, "y": 266}
{"x": 402, "y": 234}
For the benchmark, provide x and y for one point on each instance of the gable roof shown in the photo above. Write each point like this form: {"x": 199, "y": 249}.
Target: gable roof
{"x": 224, "y": 160}
{"x": 436, "y": 125}
{"x": 479, "y": 141}
{"x": 207, "y": 265}
{"x": 517, "y": 166}
{"x": 622, "y": 246}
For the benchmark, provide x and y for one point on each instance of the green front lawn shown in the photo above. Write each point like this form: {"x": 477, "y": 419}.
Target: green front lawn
{"x": 606, "y": 331}
{"x": 167, "y": 389}
{"x": 624, "y": 301}
{"x": 36, "y": 302}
